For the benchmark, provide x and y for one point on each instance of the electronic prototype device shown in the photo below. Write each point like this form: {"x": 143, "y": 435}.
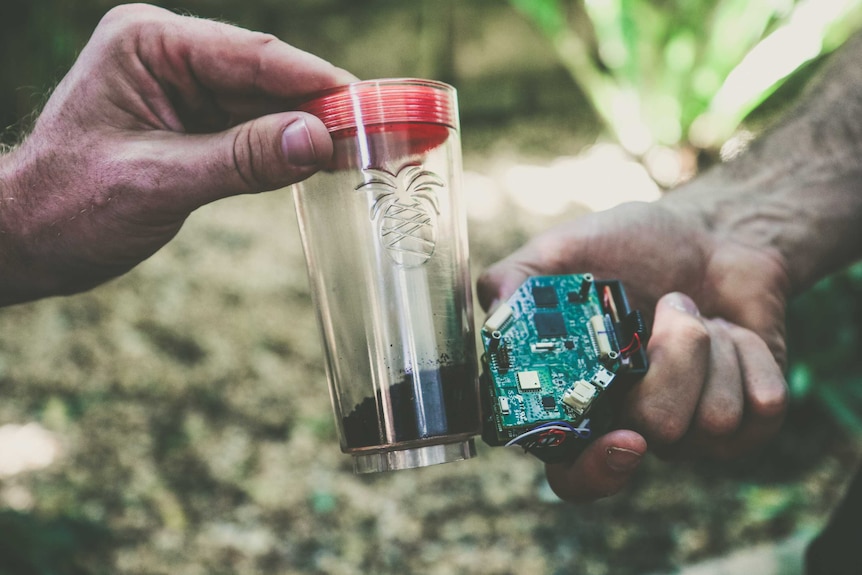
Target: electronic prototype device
{"x": 555, "y": 355}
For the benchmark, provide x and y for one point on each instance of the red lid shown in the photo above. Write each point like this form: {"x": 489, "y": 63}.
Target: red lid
{"x": 390, "y": 101}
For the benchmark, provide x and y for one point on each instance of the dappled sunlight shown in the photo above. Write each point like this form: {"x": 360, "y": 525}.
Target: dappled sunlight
{"x": 482, "y": 197}
{"x": 782, "y": 52}
{"x": 26, "y": 448}
{"x": 602, "y": 177}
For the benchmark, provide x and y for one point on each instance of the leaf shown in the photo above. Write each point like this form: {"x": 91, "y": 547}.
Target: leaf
{"x": 546, "y": 14}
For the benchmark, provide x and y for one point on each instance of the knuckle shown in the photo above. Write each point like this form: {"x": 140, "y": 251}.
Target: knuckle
{"x": 771, "y": 401}
{"x": 247, "y": 158}
{"x": 662, "y": 426}
{"x": 686, "y": 340}
{"x": 719, "y": 420}
{"x": 264, "y": 39}
{"x": 126, "y": 16}
{"x": 694, "y": 334}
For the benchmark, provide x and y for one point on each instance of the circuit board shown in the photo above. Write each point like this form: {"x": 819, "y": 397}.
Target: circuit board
{"x": 555, "y": 353}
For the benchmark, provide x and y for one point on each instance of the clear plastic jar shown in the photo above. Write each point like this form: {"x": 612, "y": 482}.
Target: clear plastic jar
{"x": 385, "y": 239}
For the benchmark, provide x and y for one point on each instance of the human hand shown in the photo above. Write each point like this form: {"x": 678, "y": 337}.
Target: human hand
{"x": 715, "y": 385}
{"x": 159, "y": 115}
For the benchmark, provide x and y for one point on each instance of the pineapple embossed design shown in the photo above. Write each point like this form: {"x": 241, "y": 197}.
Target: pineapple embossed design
{"x": 405, "y": 208}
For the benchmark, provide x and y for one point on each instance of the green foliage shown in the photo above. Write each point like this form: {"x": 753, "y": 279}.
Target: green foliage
{"x": 766, "y": 503}
{"x": 824, "y": 338}
{"x": 678, "y": 72}
{"x": 35, "y": 546}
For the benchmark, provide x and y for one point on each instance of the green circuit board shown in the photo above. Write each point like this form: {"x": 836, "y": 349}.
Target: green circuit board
{"x": 552, "y": 352}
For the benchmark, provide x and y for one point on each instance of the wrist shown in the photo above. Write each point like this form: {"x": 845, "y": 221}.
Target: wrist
{"x": 16, "y": 283}
{"x": 806, "y": 215}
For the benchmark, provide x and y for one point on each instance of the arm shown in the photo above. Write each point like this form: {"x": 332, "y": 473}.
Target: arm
{"x": 716, "y": 261}
{"x": 159, "y": 115}
{"x": 797, "y": 190}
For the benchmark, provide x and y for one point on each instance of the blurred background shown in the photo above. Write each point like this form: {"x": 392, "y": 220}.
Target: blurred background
{"x": 177, "y": 420}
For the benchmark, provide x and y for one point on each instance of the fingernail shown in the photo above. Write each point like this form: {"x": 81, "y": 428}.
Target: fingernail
{"x": 297, "y": 146}
{"x": 683, "y": 303}
{"x": 623, "y": 460}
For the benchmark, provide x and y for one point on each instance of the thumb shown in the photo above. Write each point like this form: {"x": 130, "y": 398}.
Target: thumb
{"x": 262, "y": 154}
{"x": 273, "y": 151}
{"x": 501, "y": 280}
{"x": 560, "y": 250}
{"x": 604, "y": 468}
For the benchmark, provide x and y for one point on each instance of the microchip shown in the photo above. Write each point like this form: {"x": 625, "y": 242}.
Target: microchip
{"x": 529, "y": 381}
{"x": 548, "y": 402}
{"x": 545, "y": 296}
{"x": 550, "y": 324}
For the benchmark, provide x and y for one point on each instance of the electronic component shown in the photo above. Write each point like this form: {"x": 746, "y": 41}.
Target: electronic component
{"x": 556, "y": 353}
{"x": 545, "y": 296}
{"x": 580, "y": 396}
{"x": 603, "y": 337}
{"x": 550, "y": 324}
{"x": 544, "y": 346}
{"x": 494, "y": 343}
{"x": 602, "y": 377}
{"x": 499, "y": 318}
{"x": 529, "y": 381}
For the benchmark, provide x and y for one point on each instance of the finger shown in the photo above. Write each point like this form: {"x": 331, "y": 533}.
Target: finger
{"x": 539, "y": 256}
{"x": 765, "y": 394}
{"x": 502, "y": 279}
{"x": 603, "y": 469}
{"x": 720, "y": 408}
{"x": 259, "y": 155}
{"x": 755, "y": 308}
{"x": 184, "y": 52}
{"x": 662, "y": 405}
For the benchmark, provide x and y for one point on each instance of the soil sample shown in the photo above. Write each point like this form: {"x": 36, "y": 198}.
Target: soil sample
{"x": 418, "y": 411}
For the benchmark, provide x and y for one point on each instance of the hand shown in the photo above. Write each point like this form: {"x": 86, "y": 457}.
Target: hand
{"x": 715, "y": 385}
{"x": 159, "y": 115}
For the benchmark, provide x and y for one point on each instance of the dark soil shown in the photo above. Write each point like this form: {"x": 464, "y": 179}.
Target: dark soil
{"x": 449, "y": 407}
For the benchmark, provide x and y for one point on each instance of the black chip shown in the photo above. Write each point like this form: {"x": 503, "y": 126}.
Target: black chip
{"x": 574, "y": 297}
{"x": 545, "y": 296}
{"x": 548, "y": 402}
{"x": 550, "y": 324}
{"x": 570, "y": 344}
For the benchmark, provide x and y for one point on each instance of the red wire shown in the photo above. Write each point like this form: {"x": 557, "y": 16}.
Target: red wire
{"x": 632, "y": 347}
{"x": 552, "y": 438}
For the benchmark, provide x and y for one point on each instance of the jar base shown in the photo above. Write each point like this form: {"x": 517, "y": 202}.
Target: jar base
{"x": 413, "y": 457}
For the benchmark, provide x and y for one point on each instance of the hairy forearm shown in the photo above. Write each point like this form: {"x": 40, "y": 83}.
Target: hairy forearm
{"x": 798, "y": 190}
{"x": 13, "y": 268}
